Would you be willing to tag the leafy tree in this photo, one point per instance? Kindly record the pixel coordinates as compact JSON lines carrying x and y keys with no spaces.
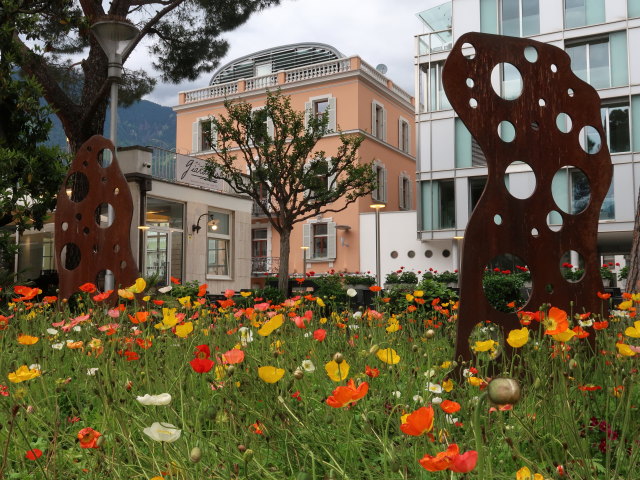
{"x":30,"y":173}
{"x":52,"y":34}
{"x":279,"y":169}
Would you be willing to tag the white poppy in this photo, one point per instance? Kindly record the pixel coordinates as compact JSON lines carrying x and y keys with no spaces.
{"x":166,"y":289}
{"x":163,"y":432}
{"x":92,"y":371}
{"x":396,"y":394}
{"x":357,"y":315}
{"x":418,"y":399}
{"x":308,"y":366}
{"x":351,"y":292}
{"x":52,"y":331}
{"x":162,"y":399}
{"x":57,"y":346}
{"x":434,"y":388}
{"x":436,"y":400}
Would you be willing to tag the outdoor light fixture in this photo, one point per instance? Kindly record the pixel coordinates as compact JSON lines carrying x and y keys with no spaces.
{"x":212,"y":222}
{"x":304,"y":261}
{"x":377,"y":207}
{"x":144,"y":227}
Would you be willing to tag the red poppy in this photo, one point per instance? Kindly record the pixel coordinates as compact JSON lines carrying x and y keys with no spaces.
{"x":418,"y":422}
{"x":201,"y":365}
{"x":604,"y":296}
{"x":320,"y":334}
{"x":202,"y":290}
{"x":375,"y":288}
{"x":580,"y":332}
{"x":33,"y":454}
{"x":202,"y":351}
{"x":600,"y":325}
{"x":296,"y":395}
{"x":589,"y":388}
{"x":88,"y":437}
{"x":157,"y":302}
{"x":343,"y":396}
{"x":27,"y":293}
{"x":449,"y":406}
{"x":465,"y":463}
{"x":50,"y":299}
{"x":102,"y":296}
{"x":88,"y":287}
{"x":131,"y":356}
{"x":144,"y":343}
{"x":371,"y":372}
{"x":450,"y":459}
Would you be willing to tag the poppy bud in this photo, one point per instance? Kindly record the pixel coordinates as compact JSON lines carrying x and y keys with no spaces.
{"x":504,"y":391}
{"x":248,"y":455}
{"x":231,"y":369}
{"x":430,"y":333}
{"x":374,"y":349}
{"x":100,"y":441}
{"x":195,"y":455}
{"x":338,"y":358}
{"x":415,"y":347}
{"x":298,"y":374}
{"x":242,"y":448}
{"x":572,"y":363}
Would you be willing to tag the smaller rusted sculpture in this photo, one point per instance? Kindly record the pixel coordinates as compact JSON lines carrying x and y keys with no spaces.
{"x":90,"y":241}
{"x":549,"y":122}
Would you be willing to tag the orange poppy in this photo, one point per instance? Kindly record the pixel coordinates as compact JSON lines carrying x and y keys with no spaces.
{"x":449,"y":406}
{"x":27,"y":293}
{"x":88,"y":437}
{"x":87,"y":287}
{"x":441,"y":461}
{"x":556,"y":321}
{"x":140,"y":317}
{"x":343,"y":396}
{"x":604,"y":296}
{"x":102,"y":296}
{"x":202,"y":290}
{"x":418,"y":422}
{"x":580,"y":332}
{"x":375,"y":288}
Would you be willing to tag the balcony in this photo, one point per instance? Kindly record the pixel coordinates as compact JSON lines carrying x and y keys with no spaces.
{"x":263,"y":265}
{"x":434,"y":42}
{"x":290,"y":77}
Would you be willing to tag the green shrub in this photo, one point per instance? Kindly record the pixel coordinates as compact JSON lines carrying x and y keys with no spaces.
{"x":435,"y":289}
{"x":501,"y":289}
{"x":364,"y":279}
{"x":269,"y":292}
{"x":330,"y":287}
{"x":402,"y":277}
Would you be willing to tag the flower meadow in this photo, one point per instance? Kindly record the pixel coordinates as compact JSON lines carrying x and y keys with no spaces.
{"x":156,"y":387}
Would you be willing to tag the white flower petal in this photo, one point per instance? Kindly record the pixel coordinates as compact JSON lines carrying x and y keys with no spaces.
{"x":163,"y":432}
{"x":161,"y":399}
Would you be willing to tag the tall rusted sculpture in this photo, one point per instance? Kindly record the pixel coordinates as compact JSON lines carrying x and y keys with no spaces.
{"x":550,"y":121}
{"x":89,"y":241}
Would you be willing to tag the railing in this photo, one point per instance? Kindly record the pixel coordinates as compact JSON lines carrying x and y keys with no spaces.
{"x":163,"y":163}
{"x":262,"y":265}
{"x":212,"y":91}
{"x":261,"y":82}
{"x":317,"y":70}
{"x":365,"y":67}
{"x":256,"y":211}
{"x":434,"y":42}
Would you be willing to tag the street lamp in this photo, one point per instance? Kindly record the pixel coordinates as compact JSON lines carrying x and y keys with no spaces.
{"x":377,"y":207}
{"x":114,"y":37}
{"x":304,"y":261}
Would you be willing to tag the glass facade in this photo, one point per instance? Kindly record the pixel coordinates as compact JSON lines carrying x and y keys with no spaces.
{"x":218,"y":244}
{"x":633,"y":7}
{"x":438,"y":200}
{"x":431,"y":90}
{"x":579,"y":13}
{"x":615,"y":120}
{"x":164,"y":239}
{"x":520,"y":18}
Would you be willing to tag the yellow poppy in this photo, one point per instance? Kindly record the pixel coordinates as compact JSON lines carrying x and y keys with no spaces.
{"x":626,"y":305}
{"x":409,"y":297}
{"x":634,"y":331}
{"x":221,"y":371}
{"x":475,"y":381}
{"x":337,"y":371}
{"x":446,"y":364}
{"x":169,"y":319}
{"x":564,"y":336}
{"x":245,"y":294}
{"x":23,"y":374}
{"x":418,"y":293}
{"x":484,"y":346}
{"x":320,"y":302}
{"x":185,"y":301}
{"x":274,"y":323}
{"x":125,"y":294}
{"x":625,"y":350}
{"x":447,"y":385}
{"x":518,"y":337}
{"x":184,"y":329}
{"x":388,"y":355}
{"x":525,"y":474}
{"x":270,"y":374}
{"x":27,"y":339}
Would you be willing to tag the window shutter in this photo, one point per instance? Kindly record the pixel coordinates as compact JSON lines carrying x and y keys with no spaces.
{"x":331,"y":240}
{"x":308,"y":111}
{"x":306,"y":190}
{"x":306,"y":237}
{"x":400,"y":145}
{"x":332,"y":178}
{"x":408,"y":140}
{"x":383,"y":191}
{"x":373,"y":119}
{"x":384,"y":125}
{"x":332,"y":114}
{"x":401,"y":192}
{"x":410,"y":195}
{"x":270,"y":127}
{"x":195,"y":137}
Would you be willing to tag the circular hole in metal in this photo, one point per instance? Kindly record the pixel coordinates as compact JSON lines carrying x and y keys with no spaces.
{"x":116,"y":248}
{"x":116,"y":191}
{"x":123,"y":264}
{"x":473,"y":103}
{"x":570,"y":92}
{"x":520,"y":186}
{"x":105,"y":157}
{"x":85,"y":164}
{"x":468,"y":50}
{"x":542,"y":102}
{"x":554,"y":68}
{"x":446,"y":253}
{"x":70,"y":256}
{"x":103,"y":179}
{"x":548,"y":288}
{"x":501,"y":287}
{"x":554,"y":221}
{"x":78,"y":216}
{"x":506,"y":131}
{"x":394,"y":254}
{"x":572,"y":266}
{"x":77,"y":187}
{"x":535,"y":126}
{"x":531,"y":54}
{"x":470,"y":83}
{"x":104,"y":215}
{"x":590,"y":140}
{"x":497,"y":219}
{"x":86,"y":230}
{"x":100,"y":278}
{"x":411,"y":254}
{"x":563,"y":122}
{"x":510,"y":81}
{"x":64,"y":226}
{"x":573,"y":180}
{"x":428,"y":253}
{"x":535,"y":233}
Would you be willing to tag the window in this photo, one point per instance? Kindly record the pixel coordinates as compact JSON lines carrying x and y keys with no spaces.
{"x":581,"y":195}
{"x":317,"y":106}
{"x":164,"y":239}
{"x":438,"y":202}
{"x":379,"y":194}
{"x":601,"y":62}
{"x":378,"y":121}
{"x":476,"y":187}
{"x":615,"y":120}
{"x":262,"y":69}
{"x":259,"y":243}
{"x":218,"y":244}
{"x":520,"y":18}
{"x":204,"y":135}
{"x":320,"y":106}
{"x":432,"y":96}
{"x":320,"y":237}
{"x":633,"y":8}
{"x":579,"y":13}
{"x":404,"y":191}
{"x":48,"y":263}
{"x":467,"y":151}
{"x":321,"y":178}
{"x":635,"y":121}
{"x":403,"y":135}
{"x":263,"y":199}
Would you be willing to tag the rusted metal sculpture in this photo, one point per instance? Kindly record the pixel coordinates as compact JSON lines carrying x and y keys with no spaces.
{"x":555,"y":117}
{"x":90,"y":241}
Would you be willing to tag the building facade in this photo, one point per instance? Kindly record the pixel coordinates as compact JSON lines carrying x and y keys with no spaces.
{"x":359,"y":99}
{"x":600,"y":38}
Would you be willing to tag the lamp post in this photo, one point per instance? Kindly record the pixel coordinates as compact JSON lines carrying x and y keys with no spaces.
{"x":114,"y":37}
{"x":304,"y":261}
{"x":377,"y":207}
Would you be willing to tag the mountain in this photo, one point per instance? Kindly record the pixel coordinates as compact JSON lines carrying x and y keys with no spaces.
{"x":144,"y":123}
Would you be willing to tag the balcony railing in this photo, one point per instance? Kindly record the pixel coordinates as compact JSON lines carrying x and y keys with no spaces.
{"x":263,"y":265}
{"x":291,"y":76}
{"x":256,"y":211}
{"x":434,"y":42}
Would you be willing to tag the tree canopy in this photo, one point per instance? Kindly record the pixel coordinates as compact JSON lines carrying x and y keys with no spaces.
{"x":55,"y":45}
{"x":268,"y":154}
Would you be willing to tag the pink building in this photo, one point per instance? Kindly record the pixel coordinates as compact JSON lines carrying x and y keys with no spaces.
{"x":359,"y":98}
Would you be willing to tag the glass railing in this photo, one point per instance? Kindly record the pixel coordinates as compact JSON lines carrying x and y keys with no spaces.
{"x":433,"y":42}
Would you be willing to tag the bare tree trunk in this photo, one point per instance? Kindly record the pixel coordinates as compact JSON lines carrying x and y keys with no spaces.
{"x":633,"y":280}
{"x":283,"y":271}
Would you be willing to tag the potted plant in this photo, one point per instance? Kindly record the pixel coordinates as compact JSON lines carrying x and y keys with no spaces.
{"x":450,"y":279}
{"x":571,"y":273}
{"x":607,"y":275}
{"x":358,"y":280}
{"x":623,"y":274}
{"x":400,"y":279}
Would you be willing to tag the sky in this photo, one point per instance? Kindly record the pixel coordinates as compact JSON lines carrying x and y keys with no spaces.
{"x":379,"y":31}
